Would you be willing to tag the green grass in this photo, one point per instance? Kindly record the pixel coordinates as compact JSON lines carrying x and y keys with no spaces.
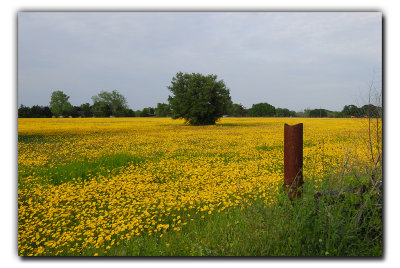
{"x":346,"y":226}
{"x":38,"y":139}
{"x":280,"y":147}
{"x":84,"y":169}
{"x":269,"y":148}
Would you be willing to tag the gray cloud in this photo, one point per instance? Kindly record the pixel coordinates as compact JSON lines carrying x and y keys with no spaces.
{"x":289,"y":59}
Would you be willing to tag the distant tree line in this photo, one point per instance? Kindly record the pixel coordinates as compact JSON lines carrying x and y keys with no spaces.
{"x":103,"y":108}
{"x":197,"y":98}
{"x":262,"y":109}
{"x":368,"y":110}
{"x":348,"y":111}
{"x":35,"y":111}
{"x":267,"y":110}
{"x":105,"y":104}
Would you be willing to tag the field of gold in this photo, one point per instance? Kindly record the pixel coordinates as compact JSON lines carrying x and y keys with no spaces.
{"x":90,"y":183}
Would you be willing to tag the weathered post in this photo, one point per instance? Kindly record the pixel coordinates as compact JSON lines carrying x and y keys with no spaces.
{"x":293,"y":160}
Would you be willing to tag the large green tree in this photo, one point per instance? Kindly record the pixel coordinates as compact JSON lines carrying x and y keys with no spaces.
{"x":109,"y":103}
{"x":59,"y":104}
{"x":199,"y":99}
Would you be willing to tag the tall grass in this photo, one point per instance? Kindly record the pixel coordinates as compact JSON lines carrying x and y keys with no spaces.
{"x":339,"y":221}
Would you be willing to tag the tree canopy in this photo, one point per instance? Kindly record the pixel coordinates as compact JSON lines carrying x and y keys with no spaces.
{"x":351,"y":110}
{"x":59,"y":104}
{"x":86,"y":110}
{"x":237,"y":110}
{"x":199,"y":99}
{"x":109,"y":103}
{"x":163,"y":110}
{"x":284,"y":112}
{"x":368,"y":110}
{"x":35,"y":111}
{"x":262,"y":109}
{"x":318,"y":113}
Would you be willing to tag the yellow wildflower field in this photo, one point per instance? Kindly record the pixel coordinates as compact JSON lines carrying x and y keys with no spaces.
{"x":93,"y":182}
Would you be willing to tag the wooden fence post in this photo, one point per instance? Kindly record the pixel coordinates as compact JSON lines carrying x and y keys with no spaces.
{"x":293,"y":160}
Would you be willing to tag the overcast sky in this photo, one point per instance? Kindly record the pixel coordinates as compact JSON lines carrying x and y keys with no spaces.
{"x":289,"y":59}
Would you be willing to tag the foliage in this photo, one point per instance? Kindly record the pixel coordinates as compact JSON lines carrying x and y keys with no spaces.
{"x":334,"y":114}
{"x":283,"y":112}
{"x":146,"y":112}
{"x":35,"y":111}
{"x":237,"y":110}
{"x":163,"y":110}
{"x":109,"y":103}
{"x":199,"y":99}
{"x":86,"y":109}
{"x":351,"y":110}
{"x":371,"y":110}
{"x":368,"y":110}
{"x":262,"y":109}
{"x":59,"y":104}
{"x":76,"y":111}
{"x":129,"y":113}
{"x":114,"y":104}
{"x":101,"y":109}
{"x":24,"y":111}
{"x":318,"y":113}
